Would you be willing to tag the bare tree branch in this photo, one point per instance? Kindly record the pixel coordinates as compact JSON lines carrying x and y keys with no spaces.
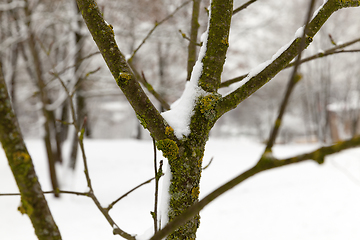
{"x":111,"y":205}
{"x":330,"y":51}
{"x":150,"y":88}
{"x":325,"y":53}
{"x":50,"y":192}
{"x":295,"y":77}
{"x":187,"y":38}
{"x":242,"y":7}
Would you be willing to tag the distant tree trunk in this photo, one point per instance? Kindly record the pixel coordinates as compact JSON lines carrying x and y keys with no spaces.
{"x":32,"y":198}
{"x":48,"y":117}
{"x":79,"y":98}
{"x":193,"y":37}
{"x":13,"y":75}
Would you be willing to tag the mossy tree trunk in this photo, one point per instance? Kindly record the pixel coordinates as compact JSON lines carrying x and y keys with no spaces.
{"x":185,"y":154}
{"x":33,"y":202}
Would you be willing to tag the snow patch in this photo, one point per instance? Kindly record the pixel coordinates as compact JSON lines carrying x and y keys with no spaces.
{"x":163,"y":207}
{"x":300,"y":32}
{"x":181,"y":111}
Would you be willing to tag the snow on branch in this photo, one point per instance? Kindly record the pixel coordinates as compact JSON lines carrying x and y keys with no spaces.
{"x":205,"y":77}
{"x":182,"y":110}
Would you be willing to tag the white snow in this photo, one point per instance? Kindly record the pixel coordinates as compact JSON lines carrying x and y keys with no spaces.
{"x":299,"y":33}
{"x":179,"y":116}
{"x":164,"y":197}
{"x":302,"y":201}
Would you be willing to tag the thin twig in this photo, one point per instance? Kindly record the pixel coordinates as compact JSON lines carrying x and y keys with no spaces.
{"x":149,"y":87}
{"x":81,"y":79}
{"x":111,"y":205}
{"x":155,"y":26}
{"x":324,"y":54}
{"x":328,"y":52}
{"x":10,"y":194}
{"x":154,"y":214}
{"x":187,"y":38}
{"x":50,"y":192}
{"x":242,"y":7}
{"x":81,"y":131}
{"x":78,"y":62}
{"x":207,"y":165}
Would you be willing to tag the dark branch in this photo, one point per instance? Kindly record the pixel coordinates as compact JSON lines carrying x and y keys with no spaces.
{"x":111,"y":205}
{"x":328,"y":52}
{"x":295,"y":77}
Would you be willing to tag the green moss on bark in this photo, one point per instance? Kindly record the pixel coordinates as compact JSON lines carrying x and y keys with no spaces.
{"x":217,"y":44}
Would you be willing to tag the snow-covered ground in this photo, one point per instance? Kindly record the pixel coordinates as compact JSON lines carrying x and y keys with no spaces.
{"x":302,"y":201}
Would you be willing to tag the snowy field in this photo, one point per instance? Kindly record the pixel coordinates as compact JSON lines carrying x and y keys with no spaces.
{"x":302,"y":201}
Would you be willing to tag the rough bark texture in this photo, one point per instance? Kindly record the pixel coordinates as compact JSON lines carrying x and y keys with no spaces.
{"x":33,"y":202}
{"x":217,"y":44}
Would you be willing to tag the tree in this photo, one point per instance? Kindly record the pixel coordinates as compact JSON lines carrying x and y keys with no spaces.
{"x":182,"y":132}
{"x":33,"y":202}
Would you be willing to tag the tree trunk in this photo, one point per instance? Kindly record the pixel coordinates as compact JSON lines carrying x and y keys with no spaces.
{"x":33,"y":202}
{"x":80,"y":100}
{"x":44,"y":100}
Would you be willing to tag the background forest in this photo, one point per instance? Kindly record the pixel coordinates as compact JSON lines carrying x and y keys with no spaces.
{"x":54,"y":71}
